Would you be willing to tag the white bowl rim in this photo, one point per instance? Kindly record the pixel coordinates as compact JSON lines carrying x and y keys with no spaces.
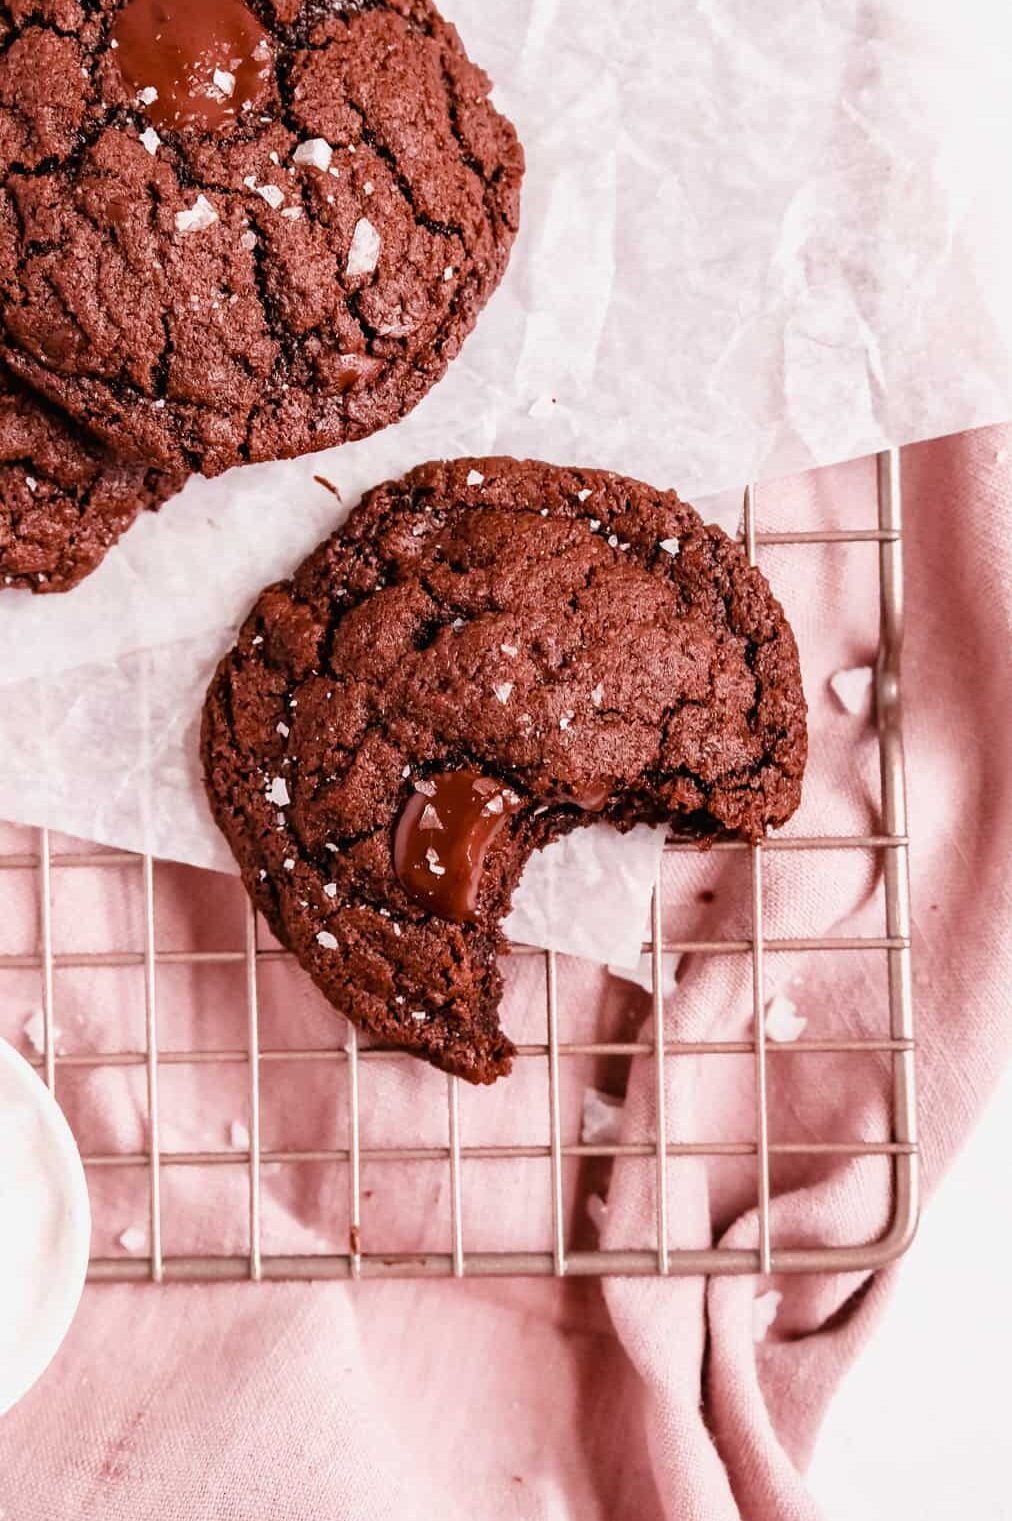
{"x":68,"y":1176}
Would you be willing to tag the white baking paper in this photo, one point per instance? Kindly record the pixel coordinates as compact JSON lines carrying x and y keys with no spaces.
{"x":756,"y":238}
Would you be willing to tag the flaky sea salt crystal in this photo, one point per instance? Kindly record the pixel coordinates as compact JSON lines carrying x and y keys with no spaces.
{"x":613,"y":541}
{"x":457,"y":625}
{"x":584,"y":495}
{"x":134,"y":1239}
{"x":853,"y":688}
{"x":432,"y":861}
{"x":248,"y":240}
{"x":292,"y":213}
{"x":670,"y":546}
{"x":330,"y":888}
{"x":198,"y":218}
{"x":764,"y":1312}
{"x":448,"y":273}
{"x":363,"y":255}
{"x":503,"y":691}
{"x":430,"y":818}
{"x":148,"y":95}
{"x":566,"y":720}
{"x":327,"y":940}
{"x":594,"y":524}
{"x":289,"y":863}
{"x":475,"y":478}
{"x":314,"y":153}
{"x":284,"y":730}
{"x":602,"y":1119}
{"x":272,"y":194}
{"x":427,"y":789}
{"x":277,"y":792}
{"x":597,"y":695}
{"x":224,"y":81}
{"x":494,"y":805}
{"x":783,"y":1023}
{"x":150,"y":140}
{"x":31,"y":483}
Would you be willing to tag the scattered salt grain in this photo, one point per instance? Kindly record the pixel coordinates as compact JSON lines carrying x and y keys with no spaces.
{"x":613,"y":541}
{"x":224,"y":81}
{"x":503,"y":691}
{"x":597,"y":695}
{"x":457,"y":625}
{"x":602,"y":1119}
{"x":330,"y":847}
{"x":150,"y":140}
{"x":292,"y":213}
{"x":198,"y":218}
{"x":289,"y":863}
{"x":327,"y":940}
{"x":670,"y":546}
{"x":363,"y":256}
{"x":595,"y":524}
{"x":642,"y":974}
{"x":597,"y":1213}
{"x":448,"y":273}
{"x":272,"y":194}
{"x":148,"y":95}
{"x":284,"y":730}
{"x":258,"y":639}
{"x":764,"y":1313}
{"x":494,"y":805}
{"x":314,"y":153}
{"x":330,"y":888}
{"x":277,"y":792}
{"x":475,"y":478}
{"x":510,"y":650}
{"x":853,"y":688}
{"x":566,"y":720}
{"x":134,"y":1239}
{"x":238,"y":1136}
{"x":419,"y":1016}
{"x":584,"y":495}
{"x":430,"y":819}
{"x":406,"y":772}
{"x":368,"y":188}
{"x":31,"y":483}
{"x":783,"y":1023}
{"x":34,"y":1031}
{"x":427,"y":789}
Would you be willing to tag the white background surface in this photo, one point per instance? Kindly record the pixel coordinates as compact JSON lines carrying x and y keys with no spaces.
{"x":922,"y":1429}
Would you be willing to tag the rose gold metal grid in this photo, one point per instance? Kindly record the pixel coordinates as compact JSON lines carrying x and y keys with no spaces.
{"x":557,"y":1258}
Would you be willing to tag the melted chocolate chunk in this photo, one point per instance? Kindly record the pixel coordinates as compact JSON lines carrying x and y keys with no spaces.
{"x":193,"y":63}
{"x":443,"y":836}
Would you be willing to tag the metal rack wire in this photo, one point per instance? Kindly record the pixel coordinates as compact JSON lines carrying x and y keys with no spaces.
{"x":559,"y":1257}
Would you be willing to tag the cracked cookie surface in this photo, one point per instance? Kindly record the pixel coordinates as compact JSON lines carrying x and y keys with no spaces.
{"x":63,"y":500}
{"x":489,"y":654}
{"x":253,"y":260}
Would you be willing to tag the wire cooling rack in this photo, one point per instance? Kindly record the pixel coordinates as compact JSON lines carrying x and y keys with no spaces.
{"x":562,"y":1253}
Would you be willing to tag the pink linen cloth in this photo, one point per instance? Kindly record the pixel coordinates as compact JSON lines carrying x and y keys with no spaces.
{"x":637,"y":1400}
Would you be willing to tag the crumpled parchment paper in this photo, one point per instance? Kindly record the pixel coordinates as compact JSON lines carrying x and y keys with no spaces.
{"x":756,"y":238}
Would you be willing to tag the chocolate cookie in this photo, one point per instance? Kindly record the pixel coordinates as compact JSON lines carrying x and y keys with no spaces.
{"x":490,"y":654}
{"x":63,"y":501}
{"x":243,"y":231}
